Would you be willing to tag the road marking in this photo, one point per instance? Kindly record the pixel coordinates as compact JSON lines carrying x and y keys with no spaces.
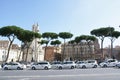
{"x":25,"y":79}
{"x":74,"y":75}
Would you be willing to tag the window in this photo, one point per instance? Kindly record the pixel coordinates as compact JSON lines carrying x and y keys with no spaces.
{"x":43,"y":63}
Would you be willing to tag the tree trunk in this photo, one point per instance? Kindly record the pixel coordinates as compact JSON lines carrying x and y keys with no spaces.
{"x":27,"y":54}
{"x":8,"y":50}
{"x":63,"y":55}
{"x":64,"y":50}
{"x":19,"y":56}
{"x":102,"y":49}
{"x":111,"y":51}
{"x":45,"y":52}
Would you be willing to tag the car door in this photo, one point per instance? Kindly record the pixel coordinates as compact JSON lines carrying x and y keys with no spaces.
{"x":9,"y":66}
{"x":90,"y":64}
{"x":65,"y":65}
{"x":36,"y":65}
{"x":112,"y":63}
{"x":39,"y":65}
{"x":13,"y":66}
{"x":42,"y":65}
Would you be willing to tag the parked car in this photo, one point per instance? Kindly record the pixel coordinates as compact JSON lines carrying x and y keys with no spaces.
{"x":13,"y":66}
{"x":56,"y":65}
{"x":87,"y":64}
{"x":41,"y":65}
{"x":109,"y":63}
{"x":4,"y":63}
{"x":79,"y":64}
{"x":68,"y":65}
{"x":118,"y":64}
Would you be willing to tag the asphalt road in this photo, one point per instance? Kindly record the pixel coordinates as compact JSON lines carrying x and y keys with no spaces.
{"x":66,"y":74}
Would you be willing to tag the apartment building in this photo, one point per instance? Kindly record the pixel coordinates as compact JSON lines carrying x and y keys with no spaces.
{"x":115,"y":52}
{"x":81,"y":51}
{"x":15,"y":53}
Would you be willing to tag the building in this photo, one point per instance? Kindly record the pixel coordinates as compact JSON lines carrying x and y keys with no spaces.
{"x":35,"y":52}
{"x":49,"y":53}
{"x":81,"y":51}
{"x":115,"y":52}
{"x":15,"y":53}
{"x":52,"y":53}
{"x":38,"y":52}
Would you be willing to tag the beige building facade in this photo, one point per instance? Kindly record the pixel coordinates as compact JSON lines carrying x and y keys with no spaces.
{"x":81,"y":51}
{"x":15,"y":53}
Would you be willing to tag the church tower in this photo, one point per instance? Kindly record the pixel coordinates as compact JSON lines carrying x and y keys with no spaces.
{"x":37,"y":51}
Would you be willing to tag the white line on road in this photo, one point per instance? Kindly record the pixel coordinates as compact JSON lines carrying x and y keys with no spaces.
{"x":74,"y":75}
{"x":25,"y":79}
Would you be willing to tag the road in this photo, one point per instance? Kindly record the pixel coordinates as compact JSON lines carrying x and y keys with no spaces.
{"x":66,"y":74}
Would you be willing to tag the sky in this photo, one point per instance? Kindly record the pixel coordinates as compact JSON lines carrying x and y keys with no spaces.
{"x":76,"y":16}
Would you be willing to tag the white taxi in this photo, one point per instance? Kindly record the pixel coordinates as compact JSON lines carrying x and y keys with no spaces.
{"x":41,"y":65}
{"x":13,"y":66}
{"x":87,"y":64}
{"x":109,"y":63}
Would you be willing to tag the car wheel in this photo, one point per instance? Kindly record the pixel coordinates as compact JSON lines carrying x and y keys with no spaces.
{"x":95,"y":66}
{"x":18,"y":68}
{"x":60,"y":67}
{"x":104,"y":65}
{"x":33,"y":68}
{"x":83,"y":66}
{"x":72,"y":67}
{"x":5,"y":68}
{"x":46,"y":68}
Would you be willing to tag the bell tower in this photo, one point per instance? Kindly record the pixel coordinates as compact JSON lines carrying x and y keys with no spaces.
{"x":37,"y":51}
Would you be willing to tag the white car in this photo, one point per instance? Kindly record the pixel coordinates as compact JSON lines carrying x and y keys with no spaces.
{"x":56,"y":65}
{"x":13,"y":66}
{"x":68,"y":65}
{"x":109,"y":63}
{"x":118,"y":64}
{"x":41,"y":65}
{"x":87,"y":64}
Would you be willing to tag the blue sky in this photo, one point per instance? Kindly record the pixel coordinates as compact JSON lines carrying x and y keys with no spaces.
{"x":75,"y":16}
